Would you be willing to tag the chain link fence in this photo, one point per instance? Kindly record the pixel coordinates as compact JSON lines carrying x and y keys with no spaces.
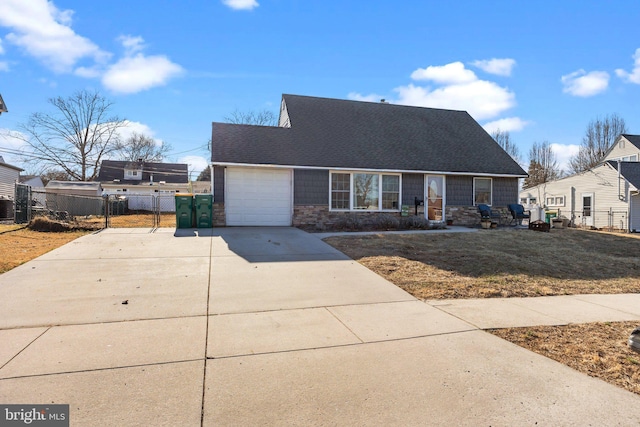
{"x":117,"y":211}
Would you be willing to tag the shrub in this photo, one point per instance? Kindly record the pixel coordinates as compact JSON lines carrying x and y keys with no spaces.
{"x":386,"y":222}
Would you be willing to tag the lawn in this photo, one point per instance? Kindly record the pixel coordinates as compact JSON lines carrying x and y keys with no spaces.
{"x":521,"y":263}
{"x":500,"y":263}
{"x":19,"y":245}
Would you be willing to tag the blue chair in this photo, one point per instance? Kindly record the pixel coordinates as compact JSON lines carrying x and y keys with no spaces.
{"x":487,"y":213}
{"x":518,"y":213}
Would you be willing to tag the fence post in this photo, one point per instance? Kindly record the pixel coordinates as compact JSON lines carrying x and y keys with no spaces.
{"x":105,"y":201}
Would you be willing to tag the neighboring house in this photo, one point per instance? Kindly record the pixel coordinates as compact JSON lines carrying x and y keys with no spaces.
{"x":329,"y":158}
{"x":605,"y":196}
{"x":139,"y":180}
{"x":33,"y":181}
{"x":75,"y":198}
{"x":9,"y":175}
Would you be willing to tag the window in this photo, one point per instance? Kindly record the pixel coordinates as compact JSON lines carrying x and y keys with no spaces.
{"x":482,"y":191}
{"x":555,"y":201}
{"x":340,"y":187}
{"x":633,"y":158}
{"x":365,"y":191}
{"x":134,"y":174}
{"x":390,"y":192}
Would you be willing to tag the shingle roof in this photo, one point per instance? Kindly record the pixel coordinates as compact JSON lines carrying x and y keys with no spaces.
{"x":175,"y":173}
{"x":634,"y":139}
{"x":332,"y":133}
{"x":629,"y":170}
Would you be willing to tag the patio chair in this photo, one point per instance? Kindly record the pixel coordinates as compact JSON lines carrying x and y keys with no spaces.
{"x":487,"y":213}
{"x":518,"y":213}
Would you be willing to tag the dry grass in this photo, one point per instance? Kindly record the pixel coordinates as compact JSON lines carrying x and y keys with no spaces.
{"x":19,"y":245}
{"x":517,"y":263}
{"x":596,"y":349}
{"x":500,"y":263}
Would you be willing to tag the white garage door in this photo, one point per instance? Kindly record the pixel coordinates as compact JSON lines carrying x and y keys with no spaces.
{"x":255,"y":196}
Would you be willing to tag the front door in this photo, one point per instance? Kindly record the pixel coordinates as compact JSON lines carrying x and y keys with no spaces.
{"x":587,"y":209}
{"x":435,"y":198}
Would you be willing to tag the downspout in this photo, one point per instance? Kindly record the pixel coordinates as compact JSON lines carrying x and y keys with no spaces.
{"x":620,"y":197}
{"x":211,"y":178}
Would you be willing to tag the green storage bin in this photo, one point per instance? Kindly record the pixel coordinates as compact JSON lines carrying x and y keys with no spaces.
{"x":204,"y":210}
{"x":184,"y":211}
{"x":550,"y":215}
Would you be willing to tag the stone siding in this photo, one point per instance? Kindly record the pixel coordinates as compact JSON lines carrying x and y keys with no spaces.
{"x":219,"y":217}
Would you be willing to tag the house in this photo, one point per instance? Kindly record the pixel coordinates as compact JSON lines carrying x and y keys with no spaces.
{"x":605,"y":196}
{"x":33,"y":181}
{"x":330,"y":158}
{"x":141,"y":181}
{"x":9,"y":175}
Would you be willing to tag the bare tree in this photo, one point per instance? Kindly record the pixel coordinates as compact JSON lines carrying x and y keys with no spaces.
{"x":205,"y":175}
{"x":260,"y":118}
{"x":503,"y":138}
{"x":139,"y":146}
{"x":543,"y":165}
{"x":54,"y":175}
{"x":599,"y":137}
{"x":75,"y":137}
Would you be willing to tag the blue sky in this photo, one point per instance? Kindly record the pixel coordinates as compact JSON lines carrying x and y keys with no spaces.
{"x":541,"y":70}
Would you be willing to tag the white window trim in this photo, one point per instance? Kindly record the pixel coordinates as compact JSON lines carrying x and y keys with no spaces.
{"x":351,"y":189}
{"x":474,"y":190}
{"x":554,"y":204}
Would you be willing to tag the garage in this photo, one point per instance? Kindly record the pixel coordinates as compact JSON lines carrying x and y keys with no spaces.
{"x":258,"y":196}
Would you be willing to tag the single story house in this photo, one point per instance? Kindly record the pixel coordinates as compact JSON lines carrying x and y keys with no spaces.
{"x":605,"y":196}
{"x":140,"y":181}
{"x":9,"y":175}
{"x":75,"y":198}
{"x":328,"y":158}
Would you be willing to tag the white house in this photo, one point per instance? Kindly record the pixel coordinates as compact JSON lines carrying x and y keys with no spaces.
{"x":605,"y":196}
{"x":9,"y":175}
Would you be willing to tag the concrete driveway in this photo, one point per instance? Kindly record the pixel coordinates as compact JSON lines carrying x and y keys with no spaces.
{"x":262,"y":326}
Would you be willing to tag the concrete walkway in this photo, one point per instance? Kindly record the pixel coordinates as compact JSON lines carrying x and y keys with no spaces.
{"x":271,"y":326}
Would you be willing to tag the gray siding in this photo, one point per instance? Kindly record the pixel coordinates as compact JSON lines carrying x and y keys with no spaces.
{"x":218,"y":184}
{"x":505,"y":191}
{"x":310,"y":187}
{"x":460,"y":190}
{"x":412,"y":187}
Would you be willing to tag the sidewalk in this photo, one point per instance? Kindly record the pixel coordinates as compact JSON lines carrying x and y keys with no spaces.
{"x":271,"y":326}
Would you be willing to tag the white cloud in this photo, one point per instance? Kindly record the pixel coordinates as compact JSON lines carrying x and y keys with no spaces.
{"x":453,"y":73}
{"x":634,"y":76}
{"x":563,"y":153}
{"x":136,"y":127}
{"x":355,"y":96}
{"x":456,"y":88}
{"x":583,"y":84}
{"x":508,"y":124}
{"x":44,"y":32}
{"x":137,"y":72}
{"x":12,"y":142}
{"x":241,"y":4}
{"x":500,"y":67}
{"x":482,"y":99}
{"x":131,"y":44}
{"x":4,"y":66}
{"x":196,"y":165}
{"x":1,"y":48}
